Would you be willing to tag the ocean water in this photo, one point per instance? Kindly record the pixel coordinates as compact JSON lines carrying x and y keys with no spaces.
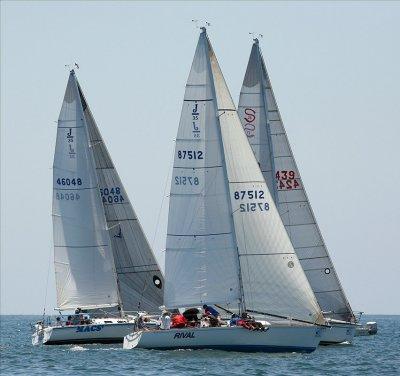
{"x":371,"y":355}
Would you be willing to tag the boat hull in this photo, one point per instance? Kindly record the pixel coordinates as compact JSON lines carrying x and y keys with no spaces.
{"x":370,"y":328}
{"x":81,"y":334}
{"x":337,"y":333}
{"x":275,"y":339}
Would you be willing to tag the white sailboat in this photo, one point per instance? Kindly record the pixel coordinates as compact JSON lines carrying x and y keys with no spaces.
{"x":226,"y":243}
{"x":103,"y":262}
{"x":262,"y":123}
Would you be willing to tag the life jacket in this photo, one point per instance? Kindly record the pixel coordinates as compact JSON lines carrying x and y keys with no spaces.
{"x":178,"y":321}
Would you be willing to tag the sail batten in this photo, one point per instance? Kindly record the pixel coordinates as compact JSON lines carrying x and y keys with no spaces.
{"x":260,"y":117}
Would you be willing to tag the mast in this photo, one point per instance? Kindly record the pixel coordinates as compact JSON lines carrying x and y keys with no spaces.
{"x":219,"y":112}
{"x":290,"y":195}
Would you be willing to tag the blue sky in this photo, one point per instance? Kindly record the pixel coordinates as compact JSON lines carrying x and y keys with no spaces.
{"x":334,"y":68}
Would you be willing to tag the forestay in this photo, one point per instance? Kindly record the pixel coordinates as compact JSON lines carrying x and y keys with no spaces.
{"x":263,"y":126}
{"x":140,"y":281}
{"x":83,"y":258}
{"x":201,"y":257}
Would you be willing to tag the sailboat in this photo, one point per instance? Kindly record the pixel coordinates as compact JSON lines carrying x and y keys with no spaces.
{"x":262,"y":123}
{"x":103,"y":263}
{"x":226,"y":243}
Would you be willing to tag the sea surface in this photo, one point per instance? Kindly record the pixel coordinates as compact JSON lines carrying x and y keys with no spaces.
{"x":371,"y":355}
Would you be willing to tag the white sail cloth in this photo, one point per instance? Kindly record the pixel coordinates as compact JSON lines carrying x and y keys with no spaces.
{"x":254,"y":254}
{"x":201,"y":257}
{"x":140,"y":281}
{"x":83,"y":258}
{"x":264,"y":128}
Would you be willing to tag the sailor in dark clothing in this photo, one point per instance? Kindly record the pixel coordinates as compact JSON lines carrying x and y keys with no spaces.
{"x":210,"y":311}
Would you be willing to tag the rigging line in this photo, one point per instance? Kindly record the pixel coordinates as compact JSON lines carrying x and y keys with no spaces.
{"x":287,"y":318}
{"x":163,"y":198}
{"x":47,"y":284}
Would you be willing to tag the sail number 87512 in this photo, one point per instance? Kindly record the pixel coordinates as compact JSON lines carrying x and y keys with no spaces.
{"x":251,"y":206}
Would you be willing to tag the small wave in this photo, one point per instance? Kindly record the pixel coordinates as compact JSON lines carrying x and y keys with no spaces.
{"x":77,"y":348}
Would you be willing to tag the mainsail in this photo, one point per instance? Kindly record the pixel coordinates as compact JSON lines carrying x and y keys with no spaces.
{"x":266,"y":134}
{"x":201,"y":257}
{"x":83,"y":258}
{"x":140,"y":281}
{"x":226,"y":241}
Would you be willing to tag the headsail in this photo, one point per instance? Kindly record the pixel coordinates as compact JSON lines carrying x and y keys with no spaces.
{"x":83,"y":258}
{"x":264,"y":128}
{"x":140,"y":281}
{"x":256,"y":257}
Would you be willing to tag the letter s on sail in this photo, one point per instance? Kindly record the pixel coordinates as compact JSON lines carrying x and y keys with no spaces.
{"x":251,"y":115}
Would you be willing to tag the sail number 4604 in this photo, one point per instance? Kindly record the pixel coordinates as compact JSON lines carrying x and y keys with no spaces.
{"x":111,"y":195}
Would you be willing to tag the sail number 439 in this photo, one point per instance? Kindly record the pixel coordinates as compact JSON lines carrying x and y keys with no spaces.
{"x":287,"y":180}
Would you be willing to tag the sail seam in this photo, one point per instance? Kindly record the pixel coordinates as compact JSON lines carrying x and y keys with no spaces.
{"x":299,"y":224}
{"x":135,"y":266}
{"x":81,"y":246}
{"x":266,"y":254}
{"x":323,"y":292}
{"x":311,"y":246}
{"x":198,"y":100}
{"x":313,"y":269}
{"x":246,"y":181}
{"x":73,"y":189}
{"x":219,"y":233}
{"x":197,"y":168}
{"x":140,"y":271}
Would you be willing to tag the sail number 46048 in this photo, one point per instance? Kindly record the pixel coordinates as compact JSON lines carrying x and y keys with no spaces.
{"x":69,"y":181}
{"x":67,"y":196}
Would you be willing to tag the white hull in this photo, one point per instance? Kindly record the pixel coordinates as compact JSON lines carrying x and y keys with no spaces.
{"x":275,"y":339}
{"x":77,"y":334}
{"x":338,"y":333}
